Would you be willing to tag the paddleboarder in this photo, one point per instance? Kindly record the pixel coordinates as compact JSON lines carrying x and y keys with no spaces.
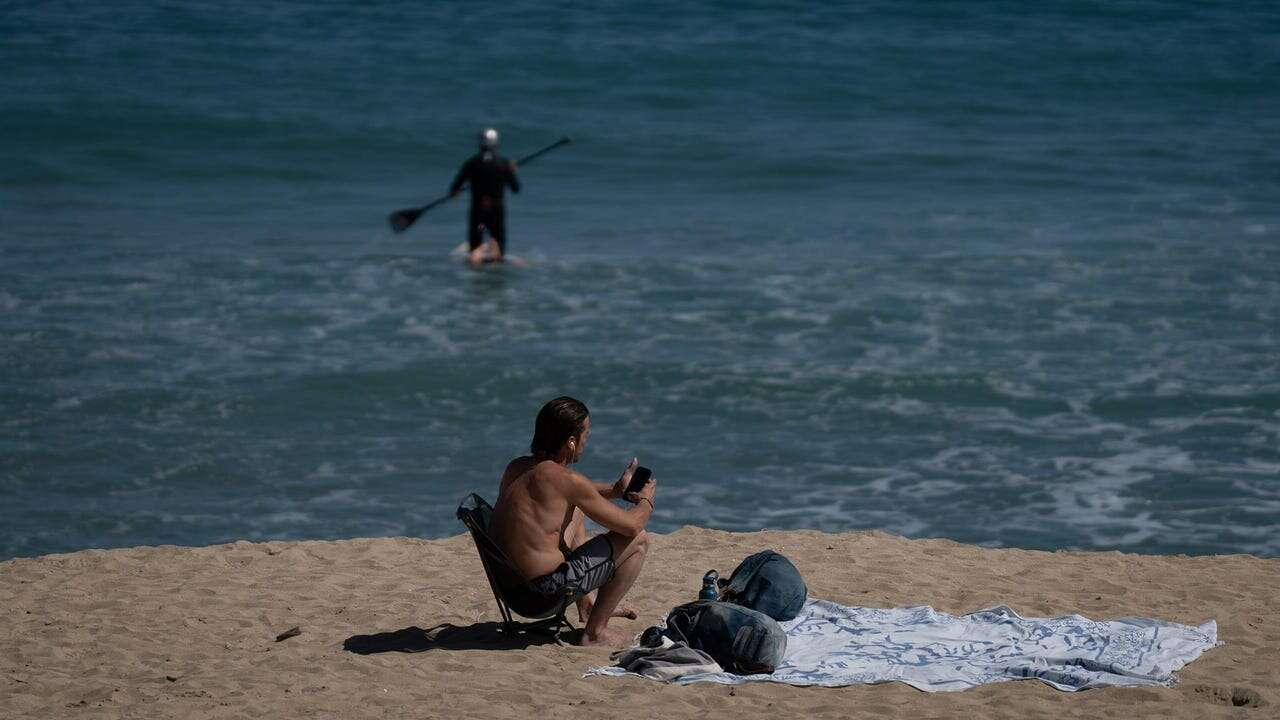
{"x":489,"y":175}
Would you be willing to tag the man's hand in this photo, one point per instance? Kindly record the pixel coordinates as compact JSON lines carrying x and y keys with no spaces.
{"x":620,"y":487}
{"x":647,"y":492}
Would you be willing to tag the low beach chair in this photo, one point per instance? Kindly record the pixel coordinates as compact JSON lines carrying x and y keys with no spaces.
{"x":511,"y":592}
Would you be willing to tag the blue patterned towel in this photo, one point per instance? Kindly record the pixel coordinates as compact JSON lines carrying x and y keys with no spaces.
{"x":833,"y":645}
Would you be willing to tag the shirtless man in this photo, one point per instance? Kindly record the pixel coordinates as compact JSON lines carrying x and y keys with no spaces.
{"x":539,"y":521}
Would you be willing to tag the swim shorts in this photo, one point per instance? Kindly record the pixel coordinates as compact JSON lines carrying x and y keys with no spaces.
{"x":583,"y":570}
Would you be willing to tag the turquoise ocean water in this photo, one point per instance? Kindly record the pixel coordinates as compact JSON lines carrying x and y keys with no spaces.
{"x":1001,"y":272}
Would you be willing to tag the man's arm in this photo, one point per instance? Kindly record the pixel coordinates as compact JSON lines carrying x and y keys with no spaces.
{"x":464,"y":172}
{"x":584,"y":494}
{"x":617,"y":490}
{"x":606,"y":490}
{"x":512,"y":180}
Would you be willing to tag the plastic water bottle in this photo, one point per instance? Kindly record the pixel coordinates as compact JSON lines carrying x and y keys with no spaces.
{"x":709,"y":589}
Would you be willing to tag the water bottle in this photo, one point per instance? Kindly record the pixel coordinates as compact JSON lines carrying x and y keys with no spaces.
{"x":709,"y":589}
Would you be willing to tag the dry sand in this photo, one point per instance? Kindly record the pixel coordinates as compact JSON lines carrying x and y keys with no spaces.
{"x":170,"y":632}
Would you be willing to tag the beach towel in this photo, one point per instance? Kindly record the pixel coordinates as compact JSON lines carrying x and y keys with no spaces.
{"x":833,"y":645}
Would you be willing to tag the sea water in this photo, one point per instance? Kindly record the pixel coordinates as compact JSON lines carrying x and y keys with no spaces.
{"x":1001,"y":272}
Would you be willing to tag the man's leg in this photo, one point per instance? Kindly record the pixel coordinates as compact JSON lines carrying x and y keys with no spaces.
{"x":574,"y":536}
{"x":475,"y":240}
{"x":498,"y":233}
{"x":628,"y":558}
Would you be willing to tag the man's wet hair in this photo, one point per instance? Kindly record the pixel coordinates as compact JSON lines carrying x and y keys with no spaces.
{"x":557,"y":421}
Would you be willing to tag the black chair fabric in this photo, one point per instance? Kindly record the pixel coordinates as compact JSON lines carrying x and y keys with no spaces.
{"x":511,"y":592}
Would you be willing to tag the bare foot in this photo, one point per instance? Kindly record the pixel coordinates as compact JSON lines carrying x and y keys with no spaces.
{"x":607,"y":637}
{"x":584,"y":612}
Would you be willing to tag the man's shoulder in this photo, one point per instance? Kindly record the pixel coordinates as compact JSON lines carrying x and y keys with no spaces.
{"x":528,"y":464}
{"x":517,"y":467}
{"x":550,"y":470}
{"x":547,"y":473}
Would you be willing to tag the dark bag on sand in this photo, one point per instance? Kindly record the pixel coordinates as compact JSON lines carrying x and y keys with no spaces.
{"x":769,"y":583}
{"x":741,"y":640}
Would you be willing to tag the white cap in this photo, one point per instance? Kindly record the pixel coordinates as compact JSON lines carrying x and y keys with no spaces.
{"x":488,"y":138}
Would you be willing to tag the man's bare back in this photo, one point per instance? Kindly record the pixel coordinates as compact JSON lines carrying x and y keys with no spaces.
{"x":532,"y":515}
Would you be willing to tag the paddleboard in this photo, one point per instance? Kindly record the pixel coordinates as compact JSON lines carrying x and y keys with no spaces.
{"x":487,"y":258}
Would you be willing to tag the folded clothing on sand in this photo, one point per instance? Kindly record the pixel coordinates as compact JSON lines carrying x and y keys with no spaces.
{"x":834,"y":645}
{"x":665,"y":660}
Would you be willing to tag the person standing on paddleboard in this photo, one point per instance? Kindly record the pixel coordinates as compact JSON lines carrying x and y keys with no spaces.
{"x":489,"y":175}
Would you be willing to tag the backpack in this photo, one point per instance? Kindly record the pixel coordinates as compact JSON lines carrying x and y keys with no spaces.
{"x":741,"y":640}
{"x":769,"y":583}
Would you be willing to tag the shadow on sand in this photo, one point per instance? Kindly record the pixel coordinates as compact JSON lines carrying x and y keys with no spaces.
{"x":446,"y":636}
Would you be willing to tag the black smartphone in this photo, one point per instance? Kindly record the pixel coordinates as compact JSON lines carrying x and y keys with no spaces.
{"x":638,"y":479}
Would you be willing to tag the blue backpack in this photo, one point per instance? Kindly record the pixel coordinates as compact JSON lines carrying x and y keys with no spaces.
{"x":769,"y":583}
{"x":741,"y":640}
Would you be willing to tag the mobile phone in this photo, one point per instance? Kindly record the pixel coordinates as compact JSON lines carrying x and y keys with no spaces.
{"x":638,"y":479}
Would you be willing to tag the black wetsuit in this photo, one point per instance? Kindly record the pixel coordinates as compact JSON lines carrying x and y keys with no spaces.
{"x":489,"y":174}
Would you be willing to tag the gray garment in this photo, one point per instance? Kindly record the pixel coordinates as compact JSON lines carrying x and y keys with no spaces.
{"x":583,"y":570}
{"x":667,"y":661}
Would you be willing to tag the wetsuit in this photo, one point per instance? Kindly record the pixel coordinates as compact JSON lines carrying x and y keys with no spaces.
{"x":488,"y":174}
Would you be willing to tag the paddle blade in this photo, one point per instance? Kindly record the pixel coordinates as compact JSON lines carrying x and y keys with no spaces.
{"x":401,"y":219}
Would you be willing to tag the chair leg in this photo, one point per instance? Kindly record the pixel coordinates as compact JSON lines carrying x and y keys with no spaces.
{"x":507,"y":622}
{"x":551,"y":627}
{"x":561,"y":620}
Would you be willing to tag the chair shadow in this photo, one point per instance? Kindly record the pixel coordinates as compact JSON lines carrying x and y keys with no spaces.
{"x":447,"y":636}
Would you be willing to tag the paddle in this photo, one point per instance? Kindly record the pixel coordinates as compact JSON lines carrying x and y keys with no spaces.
{"x":401,"y":219}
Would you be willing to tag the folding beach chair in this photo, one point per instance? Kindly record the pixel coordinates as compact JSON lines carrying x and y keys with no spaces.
{"x":511,"y":592}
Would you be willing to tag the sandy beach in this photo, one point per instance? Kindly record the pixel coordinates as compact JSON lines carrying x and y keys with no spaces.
{"x":174,"y":632}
